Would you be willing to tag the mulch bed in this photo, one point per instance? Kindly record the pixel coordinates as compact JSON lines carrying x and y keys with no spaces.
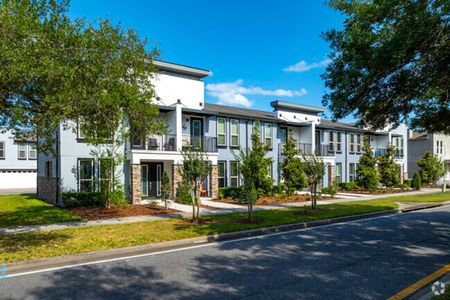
{"x":268,"y":200}
{"x":98,"y":213}
{"x":378,"y":192}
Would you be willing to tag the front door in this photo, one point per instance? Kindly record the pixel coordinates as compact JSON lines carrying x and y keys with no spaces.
{"x":151,"y":179}
{"x":196,"y":132}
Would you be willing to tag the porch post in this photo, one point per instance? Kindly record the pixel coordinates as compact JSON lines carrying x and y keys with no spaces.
{"x":331,"y":175}
{"x":136,"y":193}
{"x":176,"y":180}
{"x":214,"y":181}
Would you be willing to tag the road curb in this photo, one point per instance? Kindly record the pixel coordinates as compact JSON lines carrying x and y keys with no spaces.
{"x":84,"y":258}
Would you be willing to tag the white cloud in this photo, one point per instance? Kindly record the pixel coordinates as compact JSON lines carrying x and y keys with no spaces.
{"x":233,"y":93}
{"x":303,"y":66}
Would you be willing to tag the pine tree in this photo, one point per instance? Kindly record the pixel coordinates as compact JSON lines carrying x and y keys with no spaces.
{"x":388,"y":169}
{"x":431,"y":168}
{"x":416,"y":182}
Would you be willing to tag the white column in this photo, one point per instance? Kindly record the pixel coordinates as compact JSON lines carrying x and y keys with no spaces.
{"x":313,"y":137}
{"x":179,"y":125}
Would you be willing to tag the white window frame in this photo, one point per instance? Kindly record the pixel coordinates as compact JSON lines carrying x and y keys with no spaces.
{"x":358,"y":143}
{"x":32,"y":152}
{"x":92,"y":173}
{"x":338,"y":142}
{"x":352,"y":173}
{"x":2,"y":150}
{"x":22,"y":147}
{"x":224,"y":134}
{"x":268,"y":134}
{"x":331,"y":141}
{"x":338,"y":176}
{"x":80,"y":134}
{"x":352,"y":143}
{"x":234,"y":177}
{"x":224,"y":176}
{"x":236,"y":122}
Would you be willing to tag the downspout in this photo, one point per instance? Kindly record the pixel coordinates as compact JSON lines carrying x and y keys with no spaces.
{"x":58,"y":171}
{"x":346,"y":154}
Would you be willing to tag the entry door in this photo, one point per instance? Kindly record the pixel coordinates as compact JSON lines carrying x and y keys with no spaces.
{"x":144,"y":180}
{"x":154,"y":176}
{"x":196,"y":132}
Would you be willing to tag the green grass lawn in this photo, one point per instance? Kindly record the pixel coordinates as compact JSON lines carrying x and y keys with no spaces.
{"x":35,"y":245}
{"x":17,"y":210}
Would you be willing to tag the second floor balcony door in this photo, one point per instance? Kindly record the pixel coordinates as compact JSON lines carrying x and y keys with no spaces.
{"x":196,"y":132}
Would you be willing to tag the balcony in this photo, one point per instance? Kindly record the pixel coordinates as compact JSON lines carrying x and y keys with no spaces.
{"x":306,"y":149}
{"x":199,"y":143}
{"x":324,"y":150}
{"x":166,"y":142}
{"x":378,"y":152}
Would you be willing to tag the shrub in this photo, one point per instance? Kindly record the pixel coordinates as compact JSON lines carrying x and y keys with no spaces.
{"x":349,"y":186}
{"x":407,"y":182}
{"x":231,"y":192}
{"x":81,"y":199}
{"x":416,"y":182}
{"x":431,"y":168}
{"x":331,"y":190}
{"x":402,"y":186}
{"x":184,"y":194}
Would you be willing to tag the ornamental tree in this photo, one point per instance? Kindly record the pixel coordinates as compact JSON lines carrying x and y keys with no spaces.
{"x":388,"y":169}
{"x":366,"y":174}
{"x":431,"y":168}
{"x":315,"y":170}
{"x":294,"y":177}
{"x":390,"y":63}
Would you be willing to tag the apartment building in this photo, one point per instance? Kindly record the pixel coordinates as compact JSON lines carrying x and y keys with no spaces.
{"x":17,"y":162}
{"x":421,"y":142}
{"x":218,"y":130}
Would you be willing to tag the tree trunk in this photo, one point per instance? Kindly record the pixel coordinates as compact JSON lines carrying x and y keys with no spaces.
{"x":198,"y":202}
{"x":193,"y":204}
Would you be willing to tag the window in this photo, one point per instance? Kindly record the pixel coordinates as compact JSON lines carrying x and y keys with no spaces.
{"x":221,"y":132}
{"x":80,"y":132}
{"x":234,"y":133}
{"x":439,"y":147}
{"x":338,"y":173}
{"x":352,"y":172}
{"x":22,"y":151}
{"x":338,"y":142}
{"x":104,"y":169}
{"x":331,"y":141}
{"x":397,"y":142}
{"x":234,"y":173}
{"x":283,"y":135}
{"x":85,"y":175}
{"x":2,"y":150}
{"x":268,"y":132}
{"x":48,"y":169}
{"x":32,"y":151}
{"x":270,"y":171}
{"x":358,"y":143}
{"x":352,"y":143}
{"x":222,"y":166}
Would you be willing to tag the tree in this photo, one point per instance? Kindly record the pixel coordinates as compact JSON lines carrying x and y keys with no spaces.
{"x":165,"y":188}
{"x":294,"y":177}
{"x":254,"y":168}
{"x":431,"y":168}
{"x":389,"y":63}
{"x":388,"y":169}
{"x":366,"y":174}
{"x":416,"y":182}
{"x":194,"y":169}
{"x":56,"y":70}
{"x":315,"y":170}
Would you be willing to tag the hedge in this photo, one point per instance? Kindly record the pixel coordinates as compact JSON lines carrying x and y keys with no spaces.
{"x":77,"y":199}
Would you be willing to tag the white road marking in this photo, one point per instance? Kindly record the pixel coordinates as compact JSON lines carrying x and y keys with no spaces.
{"x":206,"y":244}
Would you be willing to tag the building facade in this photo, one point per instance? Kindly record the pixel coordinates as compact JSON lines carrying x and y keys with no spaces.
{"x":218,"y":130}
{"x":421,"y":142}
{"x":17,"y":162}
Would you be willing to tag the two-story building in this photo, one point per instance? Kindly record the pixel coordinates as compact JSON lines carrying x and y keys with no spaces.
{"x":218,"y":130}
{"x":17,"y":162}
{"x":421,"y":142}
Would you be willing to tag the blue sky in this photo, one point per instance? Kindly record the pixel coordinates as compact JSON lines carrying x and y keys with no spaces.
{"x":258,"y":51}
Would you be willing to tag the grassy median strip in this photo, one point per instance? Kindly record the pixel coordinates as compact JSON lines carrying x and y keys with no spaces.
{"x":26,"y":246}
{"x":19,"y":210}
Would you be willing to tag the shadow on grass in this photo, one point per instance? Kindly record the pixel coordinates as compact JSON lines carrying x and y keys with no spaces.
{"x":10,"y":243}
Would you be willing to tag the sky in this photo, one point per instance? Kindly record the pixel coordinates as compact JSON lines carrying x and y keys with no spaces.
{"x":258,"y":51}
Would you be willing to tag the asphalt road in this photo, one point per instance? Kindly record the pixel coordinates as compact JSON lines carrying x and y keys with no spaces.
{"x":369,"y":259}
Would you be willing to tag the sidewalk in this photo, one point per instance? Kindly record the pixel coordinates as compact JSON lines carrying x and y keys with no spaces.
{"x":215,"y":207}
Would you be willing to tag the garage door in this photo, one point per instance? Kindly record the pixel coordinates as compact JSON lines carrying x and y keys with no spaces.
{"x":17,"y":179}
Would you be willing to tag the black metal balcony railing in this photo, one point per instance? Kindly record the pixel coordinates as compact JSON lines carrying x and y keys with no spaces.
{"x":201,"y":143}
{"x":306,"y":149}
{"x":166,"y":142}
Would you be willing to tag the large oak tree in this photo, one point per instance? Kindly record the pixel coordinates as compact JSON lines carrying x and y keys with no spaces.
{"x":391,"y":63}
{"x":54,"y":69}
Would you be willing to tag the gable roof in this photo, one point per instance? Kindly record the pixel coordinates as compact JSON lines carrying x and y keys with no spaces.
{"x":241,"y":112}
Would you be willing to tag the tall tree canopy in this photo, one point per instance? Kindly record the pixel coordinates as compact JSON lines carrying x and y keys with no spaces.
{"x":55,"y":69}
{"x":391,"y":63}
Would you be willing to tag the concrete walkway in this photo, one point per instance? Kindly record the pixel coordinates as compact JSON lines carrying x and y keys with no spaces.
{"x":215,"y":207}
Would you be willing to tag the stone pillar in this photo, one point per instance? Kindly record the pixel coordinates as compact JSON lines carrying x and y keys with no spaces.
{"x":214,"y":181}
{"x":136,"y":193}
{"x":176,"y":180}
{"x":331,"y":175}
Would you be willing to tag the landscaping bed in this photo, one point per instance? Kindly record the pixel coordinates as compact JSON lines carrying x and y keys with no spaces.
{"x":274,"y":200}
{"x":98,"y":213}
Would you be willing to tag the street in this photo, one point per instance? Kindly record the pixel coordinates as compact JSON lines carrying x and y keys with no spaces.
{"x":368,"y":259}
